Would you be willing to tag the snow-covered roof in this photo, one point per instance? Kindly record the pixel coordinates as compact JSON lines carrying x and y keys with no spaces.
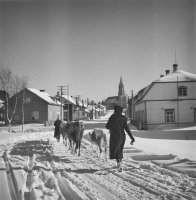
{"x":85,"y":104}
{"x":102,"y":106}
{"x":87,"y":110}
{"x":80,"y":103}
{"x":70,"y":99}
{"x":90,"y":107}
{"x":43,"y":95}
{"x":178,"y":74}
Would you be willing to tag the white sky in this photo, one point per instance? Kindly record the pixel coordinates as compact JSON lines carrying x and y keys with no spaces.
{"x":90,"y":44}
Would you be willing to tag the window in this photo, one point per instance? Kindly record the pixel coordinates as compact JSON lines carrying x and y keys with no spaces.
{"x":35,"y":115}
{"x":65,"y":114}
{"x":182,"y":91}
{"x":27,"y":100}
{"x":169,"y":115}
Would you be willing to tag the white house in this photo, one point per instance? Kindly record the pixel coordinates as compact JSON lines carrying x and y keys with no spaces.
{"x":167,"y":101}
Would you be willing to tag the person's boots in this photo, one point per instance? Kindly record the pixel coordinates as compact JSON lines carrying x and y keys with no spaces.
{"x":119,"y":166}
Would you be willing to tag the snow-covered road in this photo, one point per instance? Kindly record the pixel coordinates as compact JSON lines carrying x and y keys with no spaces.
{"x":181,"y":148}
{"x":61,"y":175}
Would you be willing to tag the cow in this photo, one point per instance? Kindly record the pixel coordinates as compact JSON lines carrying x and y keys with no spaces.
{"x":98,"y":138}
{"x":64,"y":127}
{"x":75,"y":135}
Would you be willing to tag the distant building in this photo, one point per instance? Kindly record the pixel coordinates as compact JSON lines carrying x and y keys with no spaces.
{"x":169,"y":101}
{"x":73,"y":108}
{"x":121,"y":99}
{"x":39,"y":107}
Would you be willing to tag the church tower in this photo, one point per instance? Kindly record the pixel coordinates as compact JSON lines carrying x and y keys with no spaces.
{"x":121,"y":91}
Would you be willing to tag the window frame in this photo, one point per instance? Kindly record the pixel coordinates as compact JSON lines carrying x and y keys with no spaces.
{"x":182,"y":91}
{"x":169,"y":117}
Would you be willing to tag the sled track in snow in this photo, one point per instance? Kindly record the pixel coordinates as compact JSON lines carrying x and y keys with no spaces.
{"x":8,"y":181}
{"x":140,"y":181}
{"x":93,"y":173}
{"x":143,"y":182}
{"x":108,"y":194}
{"x":137,"y":181}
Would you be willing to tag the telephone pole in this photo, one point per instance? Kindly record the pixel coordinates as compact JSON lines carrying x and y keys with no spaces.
{"x":62,"y":90}
{"x":68,"y":102}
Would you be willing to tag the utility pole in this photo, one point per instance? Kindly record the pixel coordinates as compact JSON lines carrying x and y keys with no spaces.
{"x":132,"y":109}
{"x":68,"y":102}
{"x":177,"y":103}
{"x":62,"y":90}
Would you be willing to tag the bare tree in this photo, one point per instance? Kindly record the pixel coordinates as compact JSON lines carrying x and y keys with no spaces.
{"x":7,"y":82}
{"x":12,"y":84}
{"x":24,"y":83}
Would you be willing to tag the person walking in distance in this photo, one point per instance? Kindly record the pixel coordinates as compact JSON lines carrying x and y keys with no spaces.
{"x":117,"y":124}
{"x":57,"y":124}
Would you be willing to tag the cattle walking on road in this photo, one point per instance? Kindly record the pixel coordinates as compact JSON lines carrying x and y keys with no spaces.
{"x":98,"y":138}
{"x":64,"y":127}
{"x":75,"y":135}
{"x":72,"y":133}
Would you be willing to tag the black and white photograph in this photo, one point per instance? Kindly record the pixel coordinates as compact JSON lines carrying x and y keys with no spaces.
{"x":98,"y":99}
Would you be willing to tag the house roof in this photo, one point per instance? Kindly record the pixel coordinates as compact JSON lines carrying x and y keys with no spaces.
{"x":178,"y":74}
{"x":80,"y":103}
{"x":90,"y":107}
{"x":85,"y":104}
{"x":70,"y":99}
{"x":43,"y":95}
{"x":142,"y":93}
{"x":87,"y":110}
{"x":113,"y":99}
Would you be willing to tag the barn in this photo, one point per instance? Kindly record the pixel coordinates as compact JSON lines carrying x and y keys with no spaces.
{"x":39,"y":107}
{"x":169,"y":101}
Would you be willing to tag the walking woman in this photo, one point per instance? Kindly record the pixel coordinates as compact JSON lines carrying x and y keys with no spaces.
{"x":57,"y":124}
{"x":117,"y":124}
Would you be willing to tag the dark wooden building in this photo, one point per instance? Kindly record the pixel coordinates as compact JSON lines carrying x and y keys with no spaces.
{"x":39,"y":107}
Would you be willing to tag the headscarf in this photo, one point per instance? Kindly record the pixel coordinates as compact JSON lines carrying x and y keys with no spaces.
{"x":118,"y":110}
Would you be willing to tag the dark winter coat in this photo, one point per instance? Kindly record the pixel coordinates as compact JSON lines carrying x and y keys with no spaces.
{"x":57,"y":124}
{"x":117,"y":123}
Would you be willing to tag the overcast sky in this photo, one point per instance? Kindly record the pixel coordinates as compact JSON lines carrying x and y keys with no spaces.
{"x":90,"y":44}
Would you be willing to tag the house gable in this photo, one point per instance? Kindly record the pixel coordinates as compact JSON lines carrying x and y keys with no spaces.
{"x":166,"y":87}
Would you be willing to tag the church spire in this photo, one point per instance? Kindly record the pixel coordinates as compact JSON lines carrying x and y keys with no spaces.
{"x":121,"y":91}
{"x":121,"y":81}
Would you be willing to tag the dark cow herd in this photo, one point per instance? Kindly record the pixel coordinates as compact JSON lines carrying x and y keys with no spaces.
{"x":72,"y":134}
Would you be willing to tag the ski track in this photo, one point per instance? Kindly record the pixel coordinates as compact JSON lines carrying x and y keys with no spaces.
{"x":89,"y":178}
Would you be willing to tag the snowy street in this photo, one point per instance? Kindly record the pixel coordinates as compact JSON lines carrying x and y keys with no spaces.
{"x":45,"y":169}
{"x":181,"y":148}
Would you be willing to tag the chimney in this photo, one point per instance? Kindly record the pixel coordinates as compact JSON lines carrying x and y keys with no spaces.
{"x":161,"y":76}
{"x":167,"y":71}
{"x":175,"y":67}
{"x":42,"y":90}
